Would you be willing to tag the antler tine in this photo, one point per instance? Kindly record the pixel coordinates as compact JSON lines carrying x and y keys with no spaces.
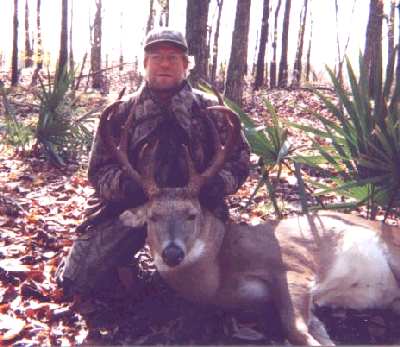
{"x":147,"y":158}
{"x":119,"y":151}
{"x":197,"y":180}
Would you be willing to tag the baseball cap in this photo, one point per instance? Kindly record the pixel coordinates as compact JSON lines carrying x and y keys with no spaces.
{"x":163,"y":34}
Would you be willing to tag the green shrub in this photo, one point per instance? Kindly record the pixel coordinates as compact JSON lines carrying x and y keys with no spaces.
{"x":364,"y":147}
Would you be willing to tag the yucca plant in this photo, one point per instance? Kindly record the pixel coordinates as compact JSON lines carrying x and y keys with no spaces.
{"x":16,"y":133}
{"x":60,"y":130}
{"x":270,"y":143}
{"x":365,"y":141}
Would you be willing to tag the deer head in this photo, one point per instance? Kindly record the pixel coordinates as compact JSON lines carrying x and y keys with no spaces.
{"x":173,"y":216}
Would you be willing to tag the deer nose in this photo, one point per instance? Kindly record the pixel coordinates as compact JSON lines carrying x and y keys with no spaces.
{"x":173,"y":255}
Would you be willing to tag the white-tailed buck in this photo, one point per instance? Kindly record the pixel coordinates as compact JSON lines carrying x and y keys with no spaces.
{"x":325,"y":259}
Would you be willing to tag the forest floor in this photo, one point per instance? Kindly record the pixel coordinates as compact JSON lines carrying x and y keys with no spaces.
{"x":40,"y":205}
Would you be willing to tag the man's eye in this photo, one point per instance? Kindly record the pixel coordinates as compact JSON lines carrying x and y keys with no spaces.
{"x":191,"y":217}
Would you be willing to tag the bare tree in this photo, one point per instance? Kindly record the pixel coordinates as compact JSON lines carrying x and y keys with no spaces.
{"x":95,"y":56}
{"x":14,"y":66}
{"x":373,"y":46}
{"x":297,"y":68}
{"x":150,"y":19}
{"x":341,"y":55}
{"x":238,"y":58}
{"x":308,"y":63}
{"x":283,"y":65}
{"x":391,"y":57}
{"x":259,"y":81}
{"x":272,"y":75}
{"x":71,"y":51}
{"x":121,"y":53}
{"x":196,"y":34}
{"x":39,"y":53}
{"x":220,"y":3}
{"x":28,"y":48}
{"x":63,"y":54}
{"x":164,"y":17}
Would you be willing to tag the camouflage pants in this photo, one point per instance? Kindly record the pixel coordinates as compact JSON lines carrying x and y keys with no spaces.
{"x":95,"y":256}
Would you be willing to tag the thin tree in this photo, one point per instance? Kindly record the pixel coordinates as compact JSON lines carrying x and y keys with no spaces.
{"x":308,"y":63}
{"x":220,"y":3}
{"x":196,"y":34}
{"x":164,"y":17}
{"x":272,"y":75}
{"x":71,"y":51}
{"x":341,"y":55}
{"x":14,"y":64}
{"x":259,"y":81}
{"x":63,"y":54}
{"x":373,"y":46}
{"x":39,"y":52}
{"x":121,"y":53}
{"x":28,"y":47}
{"x":297,"y":68}
{"x":283,"y":65}
{"x":95,"y":56}
{"x":150,"y":19}
{"x":391,"y":57}
{"x":238,"y":58}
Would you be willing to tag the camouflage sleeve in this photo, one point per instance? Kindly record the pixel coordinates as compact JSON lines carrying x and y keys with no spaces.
{"x":236,"y":168}
{"x":104,"y":172}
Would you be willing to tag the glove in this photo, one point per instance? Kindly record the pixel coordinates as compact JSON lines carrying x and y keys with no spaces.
{"x":212,"y":192}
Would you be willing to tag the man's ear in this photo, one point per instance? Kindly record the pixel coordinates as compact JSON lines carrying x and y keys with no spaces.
{"x":145,"y":61}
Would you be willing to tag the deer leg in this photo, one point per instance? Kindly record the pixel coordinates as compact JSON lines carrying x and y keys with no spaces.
{"x":294,"y":302}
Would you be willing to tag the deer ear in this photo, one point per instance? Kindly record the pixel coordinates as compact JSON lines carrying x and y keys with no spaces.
{"x":134,"y":218}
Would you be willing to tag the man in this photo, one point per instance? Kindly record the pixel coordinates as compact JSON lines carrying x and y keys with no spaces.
{"x":166,"y":108}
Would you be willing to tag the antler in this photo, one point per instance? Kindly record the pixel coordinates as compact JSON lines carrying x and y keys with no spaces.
{"x":196,"y":180}
{"x":120,"y":151}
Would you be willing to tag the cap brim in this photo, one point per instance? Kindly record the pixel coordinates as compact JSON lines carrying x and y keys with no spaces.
{"x":157,"y":42}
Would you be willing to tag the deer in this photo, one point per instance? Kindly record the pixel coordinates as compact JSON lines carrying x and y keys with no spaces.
{"x":324,"y":259}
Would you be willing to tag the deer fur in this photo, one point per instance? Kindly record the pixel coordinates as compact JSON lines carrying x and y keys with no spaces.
{"x":328,"y":259}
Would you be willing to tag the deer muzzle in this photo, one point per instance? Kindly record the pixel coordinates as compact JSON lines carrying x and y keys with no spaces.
{"x":173,"y":255}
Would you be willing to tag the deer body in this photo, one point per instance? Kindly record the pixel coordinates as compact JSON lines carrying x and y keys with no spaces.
{"x":326,"y":259}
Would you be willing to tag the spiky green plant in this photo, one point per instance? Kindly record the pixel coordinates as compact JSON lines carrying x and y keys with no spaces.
{"x":60,"y":130}
{"x":270,"y":143}
{"x":364,"y":147}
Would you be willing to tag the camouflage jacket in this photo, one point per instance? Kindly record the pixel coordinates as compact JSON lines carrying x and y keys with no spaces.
{"x":181,"y":121}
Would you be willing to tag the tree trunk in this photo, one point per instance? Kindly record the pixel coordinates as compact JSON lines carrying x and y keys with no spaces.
{"x":391,"y":56}
{"x":196,"y":34}
{"x":28,"y":48}
{"x":283,"y":65}
{"x":165,"y":12}
{"x":263,"y":44}
{"x":308,"y":64}
{"x":121,"y":53}
{"x":150,"y":19}
{"x":96,"y":49}
{"x":373,"y":46}
{"x":63,"y":55}
{"x":398,"y":53}
{"x":14,"y":66}
{"x":39,"y":53}
{"x":39,"y":36}
{"x":238,"y":58}
{"x":272,"y":76}
{"x":297,"y":68}
{"x":71,"y":51}
{"x":220,"y":3}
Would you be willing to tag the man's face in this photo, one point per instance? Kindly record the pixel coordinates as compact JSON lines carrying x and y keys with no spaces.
{"x":165,"y":67}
